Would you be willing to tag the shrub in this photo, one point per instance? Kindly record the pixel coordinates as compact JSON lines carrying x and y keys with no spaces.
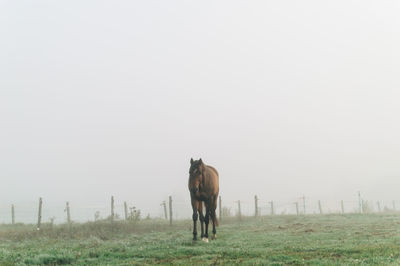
{"x":134,"y":214}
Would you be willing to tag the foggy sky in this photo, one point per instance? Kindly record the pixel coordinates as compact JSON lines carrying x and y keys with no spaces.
{"x":284,"y":98}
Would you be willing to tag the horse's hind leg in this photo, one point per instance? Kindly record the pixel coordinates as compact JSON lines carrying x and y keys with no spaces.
{"x":214,"y":219}
{"x":206,"y":220}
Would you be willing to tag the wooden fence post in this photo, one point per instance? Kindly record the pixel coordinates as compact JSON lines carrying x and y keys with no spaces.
{"x":304,"y":204}
{"x":164,"y":204}
{"x":379,"y":206}
{"x":68,"y":213}
{"x":220,"y":208}
{"x":297,"y":208}
{"x":126,"y":211}
{"x":112,"y":209}
{"x":240,"y":211}
{"x":394,"y":206}
{"x":12,"y":214}
{"x":170,"y":210}
{"x":360,"y":202}
{"x":342,"y":205}
{"x":272,"y":207}
{"x":39,"y":214}
{"x":255,"y":206}
{"x":319,"y":206}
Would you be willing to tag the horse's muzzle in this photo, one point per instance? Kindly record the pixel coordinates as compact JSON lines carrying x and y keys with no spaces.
{"x":194,"y":190}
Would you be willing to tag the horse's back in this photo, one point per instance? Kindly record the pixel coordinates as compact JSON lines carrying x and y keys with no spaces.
{"x":213,"y":169}
{"x":213,"y":180}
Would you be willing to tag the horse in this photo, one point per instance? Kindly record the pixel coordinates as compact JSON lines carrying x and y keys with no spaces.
{"x":204,"y":188}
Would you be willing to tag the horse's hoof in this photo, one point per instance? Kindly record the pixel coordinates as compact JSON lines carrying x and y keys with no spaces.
{"x":205,"y":239}
{"x":215,"y":236}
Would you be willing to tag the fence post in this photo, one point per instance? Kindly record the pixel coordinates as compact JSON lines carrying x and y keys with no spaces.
{"x":379,"y":206}
{"x":359,"y":201}
{"x":319,"y":206}
{"x":272,"y":207}
{"x":170,"y":210}
{"x":112,"y":209}
{"x":364,"y":205}
{"x":68,"y":213}
{"x":394,"y":206}
{"x":342,"y":205}
{"x":39,"y":214}
{"x":220,"y":208}
{"x":239,"y":210}
{"x":255,"y":206}
{"x":164,"y":204}
{"x":304,"y":204}
{"x":126,"y":211}
{"x":297,"y":208}
{"x":12,"y":214}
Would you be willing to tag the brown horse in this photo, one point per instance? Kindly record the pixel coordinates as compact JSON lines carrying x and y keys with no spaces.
{"x":203,"y":187}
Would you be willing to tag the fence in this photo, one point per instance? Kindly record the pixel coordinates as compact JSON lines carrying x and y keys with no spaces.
{"x":171,"y":210}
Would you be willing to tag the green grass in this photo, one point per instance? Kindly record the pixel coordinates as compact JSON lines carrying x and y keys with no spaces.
{"x":279,"y":240}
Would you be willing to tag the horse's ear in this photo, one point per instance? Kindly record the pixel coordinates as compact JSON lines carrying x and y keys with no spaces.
{"x":201,"y":161}
{"x":191,"y":160}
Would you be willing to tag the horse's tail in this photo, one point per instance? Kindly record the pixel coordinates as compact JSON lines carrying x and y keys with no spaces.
{"x":215,"y":207}
{"x":215,"y":219}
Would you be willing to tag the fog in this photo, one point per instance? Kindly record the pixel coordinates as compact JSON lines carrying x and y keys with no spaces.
{"x":283,"y":98}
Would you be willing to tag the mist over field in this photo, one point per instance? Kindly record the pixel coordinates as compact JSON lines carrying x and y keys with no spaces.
{"x":283,"y":98}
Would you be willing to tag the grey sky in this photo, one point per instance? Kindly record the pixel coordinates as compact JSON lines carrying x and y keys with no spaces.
{"x":284,"y":98}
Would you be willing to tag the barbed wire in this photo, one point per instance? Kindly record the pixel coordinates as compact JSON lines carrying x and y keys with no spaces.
{"x":27,"y":212}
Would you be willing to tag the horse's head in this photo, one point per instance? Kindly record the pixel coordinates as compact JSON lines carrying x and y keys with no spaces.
{"x":195,"y":175}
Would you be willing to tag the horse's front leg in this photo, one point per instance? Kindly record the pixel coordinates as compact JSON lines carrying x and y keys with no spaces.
{"x":195,"y":225}
{"x":201,"y":220}
{"x":195,"y":209}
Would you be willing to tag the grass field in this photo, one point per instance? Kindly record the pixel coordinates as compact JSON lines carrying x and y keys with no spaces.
{"x":312,"y":239}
